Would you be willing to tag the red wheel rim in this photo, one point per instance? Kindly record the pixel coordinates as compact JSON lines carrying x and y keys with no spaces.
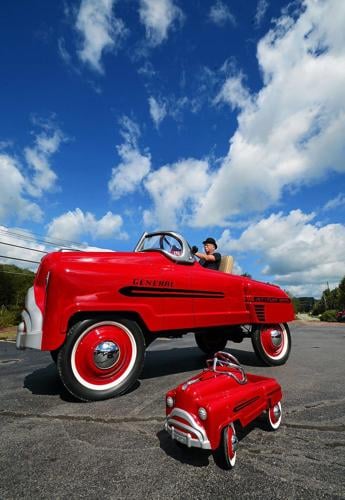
{"x":83,"y":356}
{"x":274,"y":341}
{"x":275,"y":415}
{"x":231,"y":445}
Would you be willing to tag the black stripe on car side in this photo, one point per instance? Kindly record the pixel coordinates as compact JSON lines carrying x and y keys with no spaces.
{"x":140,"y":291}
{"x":246,"y":403}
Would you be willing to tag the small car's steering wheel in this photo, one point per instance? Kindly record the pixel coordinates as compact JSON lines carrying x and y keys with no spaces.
{"x":225,"y":359}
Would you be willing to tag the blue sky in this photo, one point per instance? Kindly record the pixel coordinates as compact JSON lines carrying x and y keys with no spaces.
{"x":208,"y":117}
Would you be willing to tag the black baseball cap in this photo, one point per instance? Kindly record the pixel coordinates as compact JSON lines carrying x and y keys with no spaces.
{"x":210,"y":240}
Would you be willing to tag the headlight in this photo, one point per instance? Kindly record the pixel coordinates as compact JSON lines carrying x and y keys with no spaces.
{"x":170,"y":401}
{"x":202,"y":413}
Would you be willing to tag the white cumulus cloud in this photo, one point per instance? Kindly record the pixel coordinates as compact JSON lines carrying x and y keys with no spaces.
{"x":297,"y":252}
{"x":220,"y":14}
{"x":158,"y":110}
{"x":334,"y":203}
{"x":74,"y":225}
{"x":14,"y":202}
{"x":158,"y":17}
{"x":22,"y":180}
{"x":38,"y":158}
{"x":100,"y":30}
{"x":134,"y":166}
{"x":175,"y":189}
{"x":234,"y":93}
{"x":261,"y":10}
{"x":291,"y":132}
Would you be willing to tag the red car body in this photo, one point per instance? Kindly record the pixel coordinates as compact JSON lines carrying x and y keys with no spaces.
{"x":203,"y":411}
{"x":96,"y":312}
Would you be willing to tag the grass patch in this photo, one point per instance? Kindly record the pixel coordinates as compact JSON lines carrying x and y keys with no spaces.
{"x":8,"y":333}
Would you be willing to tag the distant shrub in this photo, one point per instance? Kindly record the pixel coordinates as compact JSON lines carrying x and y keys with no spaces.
{"x":329,"y":315}
{"x":8,"y":317}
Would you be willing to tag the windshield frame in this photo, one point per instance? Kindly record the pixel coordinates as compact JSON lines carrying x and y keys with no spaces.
{"x":186,"y":256}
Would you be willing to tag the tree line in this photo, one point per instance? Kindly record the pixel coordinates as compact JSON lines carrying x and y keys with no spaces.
{"x":327,"y":306}
{"x":14,"y":283}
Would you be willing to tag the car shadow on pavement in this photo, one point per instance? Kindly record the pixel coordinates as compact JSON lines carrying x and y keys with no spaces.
{"x":246,"y":358}
{"x":190,"y":456}
{"x":201,"y":458}
{"x":46,"y":382}
{"x":186,"y":359}
{"x":170,"y":361}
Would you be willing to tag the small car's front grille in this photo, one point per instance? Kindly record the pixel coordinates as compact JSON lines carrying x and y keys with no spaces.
{"x":260,"y":312}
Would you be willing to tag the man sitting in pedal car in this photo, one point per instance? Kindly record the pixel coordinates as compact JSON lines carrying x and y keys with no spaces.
{"x":210,"y":259}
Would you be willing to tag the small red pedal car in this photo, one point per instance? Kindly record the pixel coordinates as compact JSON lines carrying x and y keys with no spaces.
{"x":202,"y":412}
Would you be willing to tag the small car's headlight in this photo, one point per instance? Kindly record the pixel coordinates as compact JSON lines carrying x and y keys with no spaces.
{"x":170,"y":401}
{"x":202,"y":413}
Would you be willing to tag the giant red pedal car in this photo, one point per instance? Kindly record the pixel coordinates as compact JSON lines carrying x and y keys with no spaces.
{"x":203,"y":411}
{"x":97,"y":312}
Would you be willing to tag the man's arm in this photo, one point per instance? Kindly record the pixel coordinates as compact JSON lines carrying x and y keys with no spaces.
{"x":204,"y":256}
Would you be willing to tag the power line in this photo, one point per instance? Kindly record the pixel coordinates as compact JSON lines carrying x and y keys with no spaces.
{"x":17,"y":258}
{"x":25,"y":248}
{"x":37,"y":237}
{"x":26,"y":238}
{"x":29,"y":235}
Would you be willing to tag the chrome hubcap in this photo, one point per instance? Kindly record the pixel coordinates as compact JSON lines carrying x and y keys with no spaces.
{"x":106,"y":355}
{"x":276,"y":411}
{"x":234,"y":443}
{"x":276,"y":337}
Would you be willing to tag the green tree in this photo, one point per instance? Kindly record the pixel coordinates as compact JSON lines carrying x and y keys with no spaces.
{"x":14,"y":283}
{"x":331,"y":300}
{"x":341,"y":294}
{"x":296,"y":304}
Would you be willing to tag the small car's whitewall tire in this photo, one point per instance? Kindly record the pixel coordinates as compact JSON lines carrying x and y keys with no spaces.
{"x":225,"y":454}
{"x":230,"y":445}
{"x":274,"y":417}
{"x":272,"y":343}
{"x":101,"y":358}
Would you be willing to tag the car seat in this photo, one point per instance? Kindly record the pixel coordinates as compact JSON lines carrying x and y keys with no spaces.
{"x":226,"y":264}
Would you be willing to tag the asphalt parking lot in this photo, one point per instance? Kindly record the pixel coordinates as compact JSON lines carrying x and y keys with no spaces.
{"x":54,"y":447}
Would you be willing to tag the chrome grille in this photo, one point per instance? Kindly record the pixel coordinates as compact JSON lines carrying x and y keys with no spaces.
{"x":260,"y":312}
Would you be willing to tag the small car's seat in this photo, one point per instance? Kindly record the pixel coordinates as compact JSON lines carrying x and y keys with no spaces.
{"x":226,"y":264}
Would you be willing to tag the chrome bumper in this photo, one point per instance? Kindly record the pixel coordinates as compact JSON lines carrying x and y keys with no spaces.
{"x":183,"y":431}
{"x":29,"y":331}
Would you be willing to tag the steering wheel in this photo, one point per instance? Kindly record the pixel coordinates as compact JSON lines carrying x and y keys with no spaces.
{"x":164,"y":240}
